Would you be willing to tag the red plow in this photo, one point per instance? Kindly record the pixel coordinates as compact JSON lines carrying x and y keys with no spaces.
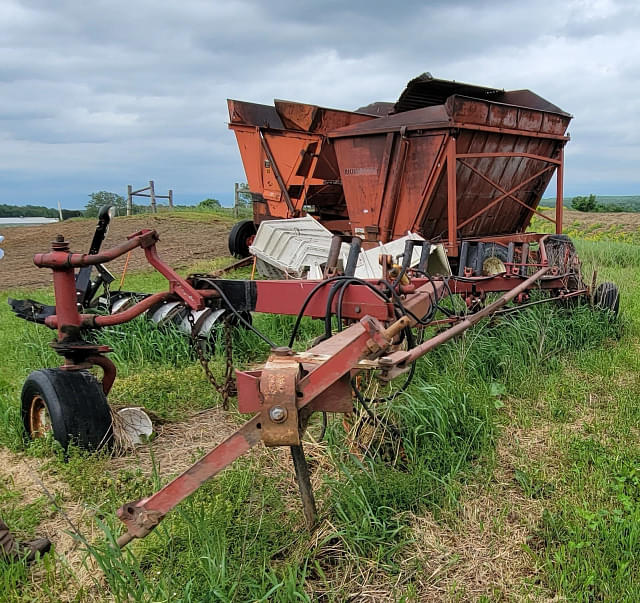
{"x":467,"y":173}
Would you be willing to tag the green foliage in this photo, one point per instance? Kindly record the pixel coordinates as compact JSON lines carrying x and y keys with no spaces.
{"x":585,"y":203}
{"x":589,"y":547}
{"x":226,"y":541}
{"x":606,"y":203}
{"x":209,"y":204}
{"x":36,"y":211}
{"x":97,"y":200}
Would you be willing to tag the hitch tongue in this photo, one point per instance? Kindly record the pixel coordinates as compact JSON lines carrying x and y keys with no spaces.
{"x":140,"y":521}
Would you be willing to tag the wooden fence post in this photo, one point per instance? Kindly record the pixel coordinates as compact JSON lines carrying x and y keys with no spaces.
{"x":152,"y":194}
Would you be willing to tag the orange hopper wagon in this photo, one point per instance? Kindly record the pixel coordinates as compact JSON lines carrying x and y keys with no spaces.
{"x":448,"y":160}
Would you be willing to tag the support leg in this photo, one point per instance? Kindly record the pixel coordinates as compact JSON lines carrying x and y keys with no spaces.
{"x":304,"y":485}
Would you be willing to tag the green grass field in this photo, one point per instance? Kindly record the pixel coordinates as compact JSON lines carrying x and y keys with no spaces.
{"x":519,"y":477}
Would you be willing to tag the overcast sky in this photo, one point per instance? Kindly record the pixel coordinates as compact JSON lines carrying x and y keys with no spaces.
{"x":96,"y":95}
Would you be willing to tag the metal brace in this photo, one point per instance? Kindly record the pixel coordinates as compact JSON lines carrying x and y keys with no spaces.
{"x":278,"y":387}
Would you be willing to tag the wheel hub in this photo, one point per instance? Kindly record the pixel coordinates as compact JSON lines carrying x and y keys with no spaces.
{"x":39,"y":419}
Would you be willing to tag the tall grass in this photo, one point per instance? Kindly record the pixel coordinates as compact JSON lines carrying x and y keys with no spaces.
{"x":241,"y":536}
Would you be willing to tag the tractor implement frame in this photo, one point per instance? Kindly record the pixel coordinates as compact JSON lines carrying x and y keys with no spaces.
{"x":291,"y":386}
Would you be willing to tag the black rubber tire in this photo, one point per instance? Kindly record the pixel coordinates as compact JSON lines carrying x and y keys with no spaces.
{"x":239,"y":236}
{"x":607,"y":297}
{"x":76,"y":406}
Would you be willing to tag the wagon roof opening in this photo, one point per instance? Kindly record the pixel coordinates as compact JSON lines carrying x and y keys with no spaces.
{"x":427,"y":91}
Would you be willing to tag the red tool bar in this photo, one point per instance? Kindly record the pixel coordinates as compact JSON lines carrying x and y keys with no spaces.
{"x":343,"y":351}
{"x":63,"y":259}
{"x":93,"y":320}
{"x":458,"y":328}
{"x":177,"y":284}
{"x":287,"y":297}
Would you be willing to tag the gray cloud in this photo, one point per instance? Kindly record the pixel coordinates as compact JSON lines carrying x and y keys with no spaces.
{"x":99,"y":94}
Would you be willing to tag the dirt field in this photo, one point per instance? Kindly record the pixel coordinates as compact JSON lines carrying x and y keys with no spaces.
{"x":628,"y":222}
{"x":183,"y":241}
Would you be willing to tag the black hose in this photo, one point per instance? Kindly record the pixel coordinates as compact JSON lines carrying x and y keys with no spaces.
{"x":238,"y":315}
{"x":319,"y":286}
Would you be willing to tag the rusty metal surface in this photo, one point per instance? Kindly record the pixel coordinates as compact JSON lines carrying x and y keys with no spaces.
{"x":501,"y":147}
{"x":312,"y":118}
{"x":303,"y":479}
{"x":383,"y":165}
{"x":253,"y":114}
{"x":286,"y":159}
{"x":426,"y":91}
{"x":278,"y":390}
{"x":385,"y":174}
{"x":142,"y":516}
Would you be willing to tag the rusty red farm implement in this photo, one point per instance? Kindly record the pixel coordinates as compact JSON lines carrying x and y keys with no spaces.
{"x":461,"y":165}
{"x":448,"y":161}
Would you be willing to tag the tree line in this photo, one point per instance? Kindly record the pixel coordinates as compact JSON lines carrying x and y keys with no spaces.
{"x":95,"y":202}
{"x":590,"y":203}
{"x":36,"y":211}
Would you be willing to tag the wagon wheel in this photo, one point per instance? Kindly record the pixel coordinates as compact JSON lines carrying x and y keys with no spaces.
{"x":241,"y":237}
{"x":607,"y":297}
{"x":68,"y":405}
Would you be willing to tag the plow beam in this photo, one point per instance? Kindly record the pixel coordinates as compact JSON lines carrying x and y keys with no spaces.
{"x":339,"y":354}
{"x":397,"y":363}
{"x":142,"y":516}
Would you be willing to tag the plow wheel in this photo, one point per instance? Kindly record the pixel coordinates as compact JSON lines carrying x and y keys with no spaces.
{"x":241,"y":237}
{"x":68,"y":405}
{"x":607,"y":297}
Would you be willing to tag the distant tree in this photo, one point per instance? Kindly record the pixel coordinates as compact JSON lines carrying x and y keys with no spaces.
{"x":585,"y":203}
{"x":209,"y":204}
{"x":97,"y":200}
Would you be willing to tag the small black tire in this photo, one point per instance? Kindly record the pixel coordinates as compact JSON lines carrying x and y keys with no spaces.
{"x":71,"y":405}
{"x":240,"y":238}
{"x":607,"y":297}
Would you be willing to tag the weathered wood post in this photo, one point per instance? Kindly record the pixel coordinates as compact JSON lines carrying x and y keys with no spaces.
{"x":129,"y":199}
{"x":152,"y":194}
